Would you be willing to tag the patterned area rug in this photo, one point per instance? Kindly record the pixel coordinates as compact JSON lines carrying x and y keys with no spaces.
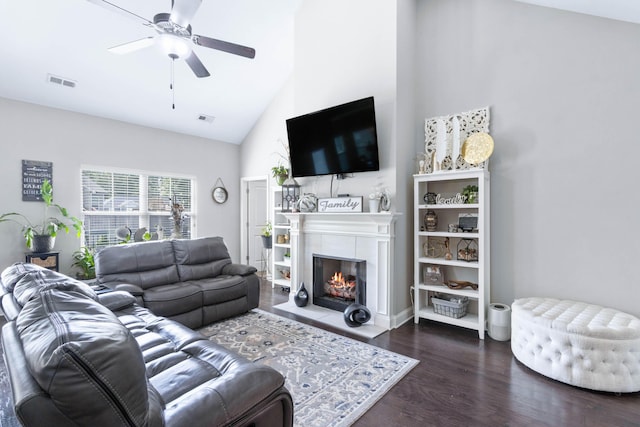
{"x":7,"y":415}
{"x":333,"y":379}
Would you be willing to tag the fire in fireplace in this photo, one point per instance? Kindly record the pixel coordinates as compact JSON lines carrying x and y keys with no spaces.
{"x":341,"y":286}
{"x":338,"y":282}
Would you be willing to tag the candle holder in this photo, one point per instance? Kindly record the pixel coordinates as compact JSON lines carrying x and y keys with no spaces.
{"x":468,"y":250}
{"x":430,"y":220}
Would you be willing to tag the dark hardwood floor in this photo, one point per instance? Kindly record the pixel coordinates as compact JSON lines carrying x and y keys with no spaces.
{"x":464,"y":381}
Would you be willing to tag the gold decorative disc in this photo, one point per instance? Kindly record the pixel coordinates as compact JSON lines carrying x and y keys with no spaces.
{"x":477,"y":148}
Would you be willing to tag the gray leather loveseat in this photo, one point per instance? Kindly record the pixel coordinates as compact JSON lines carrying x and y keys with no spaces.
{"x":191,"y":281}
{"x":75,"y":358}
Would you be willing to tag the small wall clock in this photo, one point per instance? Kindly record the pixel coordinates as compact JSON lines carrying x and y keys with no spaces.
{"x":219,"y":193}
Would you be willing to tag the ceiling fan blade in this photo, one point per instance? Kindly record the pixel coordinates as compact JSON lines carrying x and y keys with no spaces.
{"x":115,"y":8}
{"x":228,"y":47}
{"x":132,"y":46}
{"x":196,"y":65}
{"x":183,"y":11}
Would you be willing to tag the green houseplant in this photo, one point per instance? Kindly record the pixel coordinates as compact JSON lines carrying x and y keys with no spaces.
{"x":39,"y":237}
{"x":84,"y":260}
{"x":471,"y":193}
{"x":280,"y":173}
{"x":267,"y":237}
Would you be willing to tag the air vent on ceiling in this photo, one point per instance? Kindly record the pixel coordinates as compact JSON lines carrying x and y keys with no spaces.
{"x":205,"y":118}
{"x":60,"y":81}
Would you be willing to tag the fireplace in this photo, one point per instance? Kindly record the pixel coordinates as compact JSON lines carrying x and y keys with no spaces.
{"x":339,"y":282}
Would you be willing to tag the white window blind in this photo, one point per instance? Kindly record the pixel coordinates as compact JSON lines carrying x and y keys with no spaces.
{"x":112,"y":200}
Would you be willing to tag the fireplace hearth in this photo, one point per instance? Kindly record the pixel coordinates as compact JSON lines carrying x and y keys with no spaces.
{"x":338,"y":282}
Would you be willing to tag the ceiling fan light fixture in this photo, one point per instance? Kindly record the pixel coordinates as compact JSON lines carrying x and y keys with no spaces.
{"x":174,"y":46}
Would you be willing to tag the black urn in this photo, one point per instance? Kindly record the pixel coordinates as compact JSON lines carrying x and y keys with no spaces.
{"x":301,"y":298}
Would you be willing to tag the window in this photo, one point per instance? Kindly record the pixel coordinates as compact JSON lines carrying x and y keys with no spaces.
{"x":113,"y":200}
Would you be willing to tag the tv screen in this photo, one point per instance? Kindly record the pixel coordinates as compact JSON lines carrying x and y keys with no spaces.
{"x":336,"y":140}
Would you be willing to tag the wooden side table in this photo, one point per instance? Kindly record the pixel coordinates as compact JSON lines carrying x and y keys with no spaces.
{"x":48,"y":260}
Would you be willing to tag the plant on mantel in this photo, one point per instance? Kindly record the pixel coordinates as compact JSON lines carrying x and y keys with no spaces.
{"x":280,"y":173}
{"x":51,"y":224}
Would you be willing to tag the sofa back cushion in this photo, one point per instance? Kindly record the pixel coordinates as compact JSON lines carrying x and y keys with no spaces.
{"x":145,"y":264}
{"x":200,"y":258}
{"x":84,"y":359}
{"x":37,"y":280}
{"x":12,"y":274}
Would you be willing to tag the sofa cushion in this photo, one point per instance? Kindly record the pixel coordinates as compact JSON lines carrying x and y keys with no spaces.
{"x":201,"y":383}
{"x":200,"y":258}
{"x":146,"y":264}
{"x":86,"y":360}
{"x":221,"y":289}
{"x":173,"y":299}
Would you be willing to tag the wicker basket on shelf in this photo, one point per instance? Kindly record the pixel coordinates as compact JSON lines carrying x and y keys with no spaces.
{"x":450,"y":306}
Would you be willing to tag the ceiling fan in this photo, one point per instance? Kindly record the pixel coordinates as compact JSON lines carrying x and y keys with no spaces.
{"x":175,"y":36}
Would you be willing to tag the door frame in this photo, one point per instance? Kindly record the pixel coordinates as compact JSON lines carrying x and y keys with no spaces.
{"x":244,"y":212}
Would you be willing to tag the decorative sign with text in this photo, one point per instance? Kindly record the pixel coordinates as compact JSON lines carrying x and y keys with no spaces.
{"x":33,"y":174}
{"x":340,"y":204}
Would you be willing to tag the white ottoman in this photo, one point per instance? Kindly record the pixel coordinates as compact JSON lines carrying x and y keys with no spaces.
{"x":581,"y":344}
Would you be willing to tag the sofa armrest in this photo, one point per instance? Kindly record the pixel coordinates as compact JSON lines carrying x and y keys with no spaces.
{"x":134,"y":290}
{"x":238,"y":269}
{"x":116,"y":300}
{"x":32,"y":405}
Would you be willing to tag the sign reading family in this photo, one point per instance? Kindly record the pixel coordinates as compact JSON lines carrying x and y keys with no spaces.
{"x":340,"y":204}
{"x":33,"y":174}
{"x":458,"y":199}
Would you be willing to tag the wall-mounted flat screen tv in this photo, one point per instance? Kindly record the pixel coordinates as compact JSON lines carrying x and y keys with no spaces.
{"x":337,"y":140}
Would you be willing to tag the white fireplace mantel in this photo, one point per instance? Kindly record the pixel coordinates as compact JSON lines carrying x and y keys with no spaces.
{"x":368,"y":236}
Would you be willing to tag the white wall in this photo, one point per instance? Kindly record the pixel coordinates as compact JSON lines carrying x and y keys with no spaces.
{"x":70,"y":140}
{"x":345,"y":51}
{"x":563,"y":90}
{"x":263,"y":146}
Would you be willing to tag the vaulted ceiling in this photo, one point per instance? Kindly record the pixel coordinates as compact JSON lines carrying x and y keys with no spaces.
{"x":68,"y":40}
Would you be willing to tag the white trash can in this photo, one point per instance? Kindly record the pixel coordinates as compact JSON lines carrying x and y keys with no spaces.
{"x":500,"y":322}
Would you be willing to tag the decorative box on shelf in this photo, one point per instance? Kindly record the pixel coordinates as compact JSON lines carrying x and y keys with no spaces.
{"x":433,"y":275}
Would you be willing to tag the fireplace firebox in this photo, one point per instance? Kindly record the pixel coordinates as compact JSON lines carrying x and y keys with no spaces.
{"x":339,"y":282}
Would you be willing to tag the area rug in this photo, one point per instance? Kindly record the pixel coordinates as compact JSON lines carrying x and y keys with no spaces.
{"x":7,"y":414}
{"x":334,"y":380}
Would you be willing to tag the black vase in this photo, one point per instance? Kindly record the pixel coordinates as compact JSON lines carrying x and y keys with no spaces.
{"x":301,"y":298}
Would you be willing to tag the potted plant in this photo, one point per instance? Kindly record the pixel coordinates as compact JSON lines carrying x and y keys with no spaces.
{"x":280,"y":173}
{"x":267,"y":237}
{"x":471,"y":193}
{"x":84,"y":260}
{"x":40,"y":237}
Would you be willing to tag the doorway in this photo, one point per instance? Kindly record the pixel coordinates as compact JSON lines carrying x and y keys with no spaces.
{"x":254,"y":216}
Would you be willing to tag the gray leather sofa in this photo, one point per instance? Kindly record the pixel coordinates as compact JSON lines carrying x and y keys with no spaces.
{"x":75,"y":358}
{"x":191,"y":281}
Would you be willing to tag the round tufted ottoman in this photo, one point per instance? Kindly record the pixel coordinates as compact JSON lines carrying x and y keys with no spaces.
{"x":581,"y":344}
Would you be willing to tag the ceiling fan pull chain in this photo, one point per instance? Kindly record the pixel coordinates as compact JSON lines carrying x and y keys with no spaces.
{"x":173,"y":91}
